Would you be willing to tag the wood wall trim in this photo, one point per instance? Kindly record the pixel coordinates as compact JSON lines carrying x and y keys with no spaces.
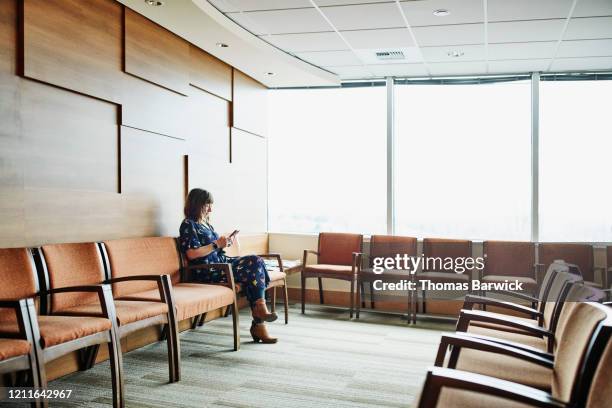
{"x":71,"y":45}
{"x":210,"y":74}
{"x":155,"y":54}
{"x":250,"y":105}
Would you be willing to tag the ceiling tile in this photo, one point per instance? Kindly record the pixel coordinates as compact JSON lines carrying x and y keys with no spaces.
{"x":588,"y":8}
{"x":282,"y":21}
{"x":307,"y":42}
{"x":585,"y":48}
{"x":449,"y":35}
{"x":441,"y":54}
{"x":457,"y":68}
{"x":330,"y":58}
{"x":518,"y":66}
{"x":582,"y":64}
{"x":536,"y":50}
{"x":525,"y":31}
{"x":364,"y":16}
{"x":384,"y":38}
{"x":589,"y":28}
{"x":412,"y":70}
{"x":420,"y":13}
{"x":504,"y":10}
{"x":250,"y":5}
{"x":350,"y":72}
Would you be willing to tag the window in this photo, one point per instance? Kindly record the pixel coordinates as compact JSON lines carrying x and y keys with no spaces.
{"x":327,"y":160}
{"x":463,"y":160}
{"x":575,"y":161}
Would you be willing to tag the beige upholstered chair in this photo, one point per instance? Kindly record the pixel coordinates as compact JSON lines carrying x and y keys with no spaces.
{"x":510,"y":260}
{"x":386,"y":246}
{"x":337,"y":259}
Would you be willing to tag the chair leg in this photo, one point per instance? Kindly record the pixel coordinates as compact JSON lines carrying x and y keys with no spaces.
{"x":352,"y":298}
{"x":362,"y":291}
{"x":87,"y":357}
{"x":164,"y":333}
{"x":195,"y":321}
{"x":372,"y":295}
{"x":359,"y":295}
{"x":424,"y":304}
{"x":236,"y":324}
{"x":116,"y":365}
{"x":303,"y":290}
{"x":273,"y":299}
{"x":202,"y":320}
{"x":286,"y":301}
{"x":227,"y":311}
{"x":320,"y":290}
{"x":174,"y":348}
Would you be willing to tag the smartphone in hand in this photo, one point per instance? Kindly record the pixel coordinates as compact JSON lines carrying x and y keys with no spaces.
{"x":233,"y":234}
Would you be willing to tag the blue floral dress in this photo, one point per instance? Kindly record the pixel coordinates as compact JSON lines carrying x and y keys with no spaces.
{"x":249,"y":271}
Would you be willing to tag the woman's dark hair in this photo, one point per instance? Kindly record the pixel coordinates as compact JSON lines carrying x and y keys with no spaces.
{"x":196,"y":200}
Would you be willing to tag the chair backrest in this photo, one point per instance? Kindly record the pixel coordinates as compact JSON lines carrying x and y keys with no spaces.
{"x":17,"y":278}
{"x":608,"y":266}
{"x":578,"y":254}
{"x":141,"y":256}
{"x":556,"y":295}
{"x":576,"y":357}
{"x":444,"y":248}
{"x":388,"y":246}
{"x":72,"y":265}
{"x":337,"y":248}
{"x":508,"y":258}
{"x":601,"y":386}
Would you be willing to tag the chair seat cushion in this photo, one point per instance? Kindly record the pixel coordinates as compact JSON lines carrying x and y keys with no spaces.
{"x":128,"y":311}
{"x":532,"y":341}
{"x":505,"y":368}
{"x":276,"y":275}
{"x":191,"y":299}
{"x":391,"y":274}
{"x":13,"y":348}
{"x":442,"y":277}
{"x":593,"y":284}
{"x":454,"y":398}
{"x":328,"y":269}
{"x":504,"y":328}
{"x":56,"y":330}
{"x":529,"y":284}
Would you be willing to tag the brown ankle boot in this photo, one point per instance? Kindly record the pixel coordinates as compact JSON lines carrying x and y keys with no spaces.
{"x":260,"y":311}
{"x":260,"y":333}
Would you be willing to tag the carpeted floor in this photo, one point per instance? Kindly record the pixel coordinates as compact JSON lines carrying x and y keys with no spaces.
{"x":322,"y":359}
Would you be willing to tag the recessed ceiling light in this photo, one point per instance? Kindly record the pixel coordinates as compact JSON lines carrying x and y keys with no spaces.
{"x":441,"y":12}
{"x":270,"y":73}
{"x":222,"y":45}
{"x":155,"y":3}
{"x":455,"y":53}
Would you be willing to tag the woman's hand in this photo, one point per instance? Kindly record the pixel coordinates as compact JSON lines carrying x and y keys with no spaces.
{"x":222,"y":242}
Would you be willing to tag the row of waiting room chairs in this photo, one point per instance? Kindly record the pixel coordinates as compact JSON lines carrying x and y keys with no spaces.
{"x":556,"y":354}
{"x":66,"y":297}
{"x":341,"y":256}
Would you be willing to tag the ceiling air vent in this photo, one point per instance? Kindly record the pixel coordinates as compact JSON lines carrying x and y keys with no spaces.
{"x":389,"y":55}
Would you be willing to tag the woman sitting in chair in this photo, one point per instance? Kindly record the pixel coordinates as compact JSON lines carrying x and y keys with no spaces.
{"x":202,"y":245}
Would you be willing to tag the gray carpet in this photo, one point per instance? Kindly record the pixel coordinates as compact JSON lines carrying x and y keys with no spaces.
{"x":322,"y":359}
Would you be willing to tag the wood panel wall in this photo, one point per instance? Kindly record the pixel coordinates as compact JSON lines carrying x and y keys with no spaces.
{"x":107,"y":119}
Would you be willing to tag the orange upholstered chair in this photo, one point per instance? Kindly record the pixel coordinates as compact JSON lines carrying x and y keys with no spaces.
{"x":81,"y":264}
{"x":505,"y":259}
{"x":159,"y":256}
{"x":56,"y":335}
{"x":337,"y":259}
{"x":580,"y":255}
{"x":386,"y":246}
{"x":444,"y":248}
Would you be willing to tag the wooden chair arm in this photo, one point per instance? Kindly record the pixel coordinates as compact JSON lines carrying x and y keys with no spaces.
{"x":471,"y":300}
{"x":459,"y":342}
{"x":105,"y":296}
{"x":23,"y":309}
{"x":467,"y":316}
{"x":444,"y":377}
{"x":226,"y":268}
{"x":306,"y":252}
